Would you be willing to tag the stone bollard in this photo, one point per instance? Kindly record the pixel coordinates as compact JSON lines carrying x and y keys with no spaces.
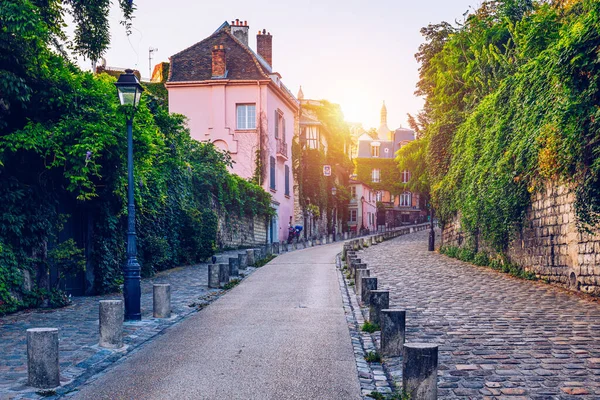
{"x":324,"y":240}
{"x":213,"y":276}
{"x":310,"y":243}
{"x":419,"y":370}
{"x":360,"y":273}
{"x":234,"y":266}
{"x":162,"y":300}
{"x":242,"y":260}
{"x":378,"y":300}
{"x":257,"y":255}
{"x":393,"y":328}
{"x":250,"y":258}
{"x":285,"y":247}
{"x":304,"y":244}
{"x":358,"y":267}
{"x":111,"y":316}
{"x":223,"y":274}
{"x":330,"y":238}
{"x":367,"y":285}
{"x":42,"y":358}
{"x":345,"y":235}
{"x":269,"y":249}
{"x":275,"y":247}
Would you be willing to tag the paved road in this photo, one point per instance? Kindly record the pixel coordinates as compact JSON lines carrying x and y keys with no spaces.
{"x":281,"y":334}
{"x":499,"y":336}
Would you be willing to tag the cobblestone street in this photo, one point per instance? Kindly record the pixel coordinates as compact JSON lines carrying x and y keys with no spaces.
{"x":498,"y":335}
{"x":80,"y":355}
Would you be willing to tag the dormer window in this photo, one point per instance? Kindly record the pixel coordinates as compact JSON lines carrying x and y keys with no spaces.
{"x":375,"y":149}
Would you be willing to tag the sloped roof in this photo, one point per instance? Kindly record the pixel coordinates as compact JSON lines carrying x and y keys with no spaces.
{"x":195,"y":62}
{"x":403,"y":134}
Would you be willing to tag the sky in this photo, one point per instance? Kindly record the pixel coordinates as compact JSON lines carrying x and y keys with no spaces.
{"x":357,"y":53}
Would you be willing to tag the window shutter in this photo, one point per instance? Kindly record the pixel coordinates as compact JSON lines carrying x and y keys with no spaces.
{"x":276,"y":121}
{"x":283,"y":129}
{"x":272,"y":173}
{"x":287,"y":180}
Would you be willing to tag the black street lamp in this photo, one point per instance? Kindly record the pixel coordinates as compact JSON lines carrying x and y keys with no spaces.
{"x":333,"y":193}
{"x":130,"y":91}
{"x":431,"y":229}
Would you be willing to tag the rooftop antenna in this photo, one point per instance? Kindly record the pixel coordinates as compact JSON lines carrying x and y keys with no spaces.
{"x":151,"y":50}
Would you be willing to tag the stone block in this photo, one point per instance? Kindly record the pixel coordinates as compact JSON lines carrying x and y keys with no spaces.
{"x":213,"y":276}
{"x":243,"y":260}
{"x":42,"y":358}
{"x":161,"y":300}
{"x":367,"y":285}
{"x":360,"y":273}
{"x":419,"y":370}
{"x":378,"y":300}
{"x":223,"y":274}
{"x":393,"y":331}
{"x":111,"y":316}
{"x":234,"y":266}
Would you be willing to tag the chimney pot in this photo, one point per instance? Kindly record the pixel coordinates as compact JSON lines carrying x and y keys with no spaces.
{"x":240,"y":31}
{"x":245,"y":23}
{"x":237,"y":21}
{"x":232,"y":22}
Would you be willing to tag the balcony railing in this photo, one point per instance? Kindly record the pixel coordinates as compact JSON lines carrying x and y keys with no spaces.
{"x":282,"y":149}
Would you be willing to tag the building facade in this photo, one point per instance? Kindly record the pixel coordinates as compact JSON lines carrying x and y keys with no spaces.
{"x":362,"y":211}
{"x":376,"y":166}
{"x":232,"y":97}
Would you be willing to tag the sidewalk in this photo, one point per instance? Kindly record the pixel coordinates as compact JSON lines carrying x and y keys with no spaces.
{"x":80,"y":355}
{"x":281,"y":334}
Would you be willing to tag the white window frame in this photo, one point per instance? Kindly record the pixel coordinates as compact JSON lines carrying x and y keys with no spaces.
{"x":245,"y":116}
{"x":405,"y":199}
{"x":353,"y":215}
{"x":374,"y":151}
{"x":405,"y":176}
{"x":375,"y":175}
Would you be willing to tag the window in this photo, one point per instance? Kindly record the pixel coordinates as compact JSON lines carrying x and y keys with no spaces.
{"x":392,"y":198}
{"x":405,"y":176}
{"x":352,"y":192}
{"x":374,"y":151}
{"x":287,"y":180}
{"x":246,"y":116}
{"x":272,"y":173}
{"x":379,"y":195}
{"x":279,"y":125}
{"x":311,"y":133}
{"x":405,"y":199}
{"x":353,"y":214}
{"x":375,"y":175}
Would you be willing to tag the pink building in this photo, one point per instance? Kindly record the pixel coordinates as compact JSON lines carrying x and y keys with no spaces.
{"x":362,"y":208}
{"x":233,"y":98}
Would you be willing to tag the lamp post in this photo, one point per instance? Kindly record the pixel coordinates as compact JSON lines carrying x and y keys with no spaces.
{"x":130,"y":91}
{"x":431,"y":229}
{"x":333,"y":193}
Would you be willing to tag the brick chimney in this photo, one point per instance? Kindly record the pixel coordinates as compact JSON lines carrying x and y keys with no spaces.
{"x":219,"y":62}
{"x":264,"y":46}
{"x":239,"y":29}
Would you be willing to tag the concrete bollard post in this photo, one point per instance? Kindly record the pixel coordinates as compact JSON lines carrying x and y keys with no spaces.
{"x":234,"y":266}
{"x":367,"y":285}
{"x":360,"y":273}
{"x":213,"y":276}
{"x":419,"y":370}
{"x":257,"y":255}
{"x":242,"y":260}
{"x":393,"y":332}
{"x":378,"y":300}
{"x":42,"y":358}
{"x":269,"y":249}
{"x":310,"y":243}
{"x":223,"y":274}
{"x":358,"y":267}
{"x":330,"y":238}
{"x":275,"y":247}
{"x":250,"y":257}
{"x":285,"y":247}
{"x":162,"y":300}
{"x":111,"y":316}
{"x":345,"y":235}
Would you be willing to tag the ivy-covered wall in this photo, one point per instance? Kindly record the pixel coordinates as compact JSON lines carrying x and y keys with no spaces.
{"x":389,"y":173}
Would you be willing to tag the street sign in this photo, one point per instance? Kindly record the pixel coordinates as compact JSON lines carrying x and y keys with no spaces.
{"x":327,"y":170}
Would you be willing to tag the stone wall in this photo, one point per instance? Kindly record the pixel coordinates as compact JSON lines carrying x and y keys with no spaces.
{"x":549,"y":242}
{"x":234,"y":232}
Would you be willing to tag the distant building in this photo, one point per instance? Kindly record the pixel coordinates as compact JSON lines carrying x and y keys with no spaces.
{"x":363,"y":207}
{"x":375,"y":166}
{"x":232,"y":97}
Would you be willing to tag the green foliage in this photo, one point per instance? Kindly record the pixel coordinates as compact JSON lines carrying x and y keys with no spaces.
{"x":373,"y":357}
{"x":512,"y":99}
{"x":370,"y":327}
{"x":264,"y":261}
{"x":66,"y":259}
{"x":389,"y":173}
{"x":231,"y":284}
{"x":63,"y":150}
